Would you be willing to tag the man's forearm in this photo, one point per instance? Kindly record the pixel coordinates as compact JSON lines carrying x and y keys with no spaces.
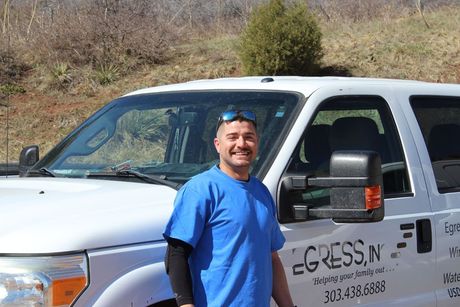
{"x":280,"y":292}
{"x":177,"y":267}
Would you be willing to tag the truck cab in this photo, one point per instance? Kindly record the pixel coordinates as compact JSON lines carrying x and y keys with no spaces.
{"x":364,"y":173}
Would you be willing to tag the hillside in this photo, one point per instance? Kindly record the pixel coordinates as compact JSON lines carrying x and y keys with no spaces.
{"x":400,"y":47}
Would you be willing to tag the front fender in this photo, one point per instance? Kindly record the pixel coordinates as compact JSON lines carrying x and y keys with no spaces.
{"x":141,"y":287}
{"x":127,"y":276}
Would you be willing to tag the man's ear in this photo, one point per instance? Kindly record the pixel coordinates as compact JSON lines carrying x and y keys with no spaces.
{"x":217,"y":144}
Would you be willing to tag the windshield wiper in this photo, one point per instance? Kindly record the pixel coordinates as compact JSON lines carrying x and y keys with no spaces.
{"x":42,"y":171}
{"x":151,"y":178}
{"x":155,"y":179}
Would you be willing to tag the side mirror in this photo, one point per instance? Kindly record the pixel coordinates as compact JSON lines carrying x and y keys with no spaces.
{"x":28,"y":157}
{"x":356,"y":189}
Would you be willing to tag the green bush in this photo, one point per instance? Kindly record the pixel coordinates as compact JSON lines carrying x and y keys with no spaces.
{"x":11,"y":89}
{"x":280,"y":40}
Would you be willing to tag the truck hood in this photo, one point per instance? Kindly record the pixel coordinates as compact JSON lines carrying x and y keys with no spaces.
{"x":55,"y":215}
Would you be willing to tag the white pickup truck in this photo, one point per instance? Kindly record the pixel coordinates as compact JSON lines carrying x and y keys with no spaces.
{"x":365,"y":174}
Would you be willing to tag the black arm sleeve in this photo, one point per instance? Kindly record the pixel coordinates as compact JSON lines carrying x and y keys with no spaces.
{"x":176,"y":262}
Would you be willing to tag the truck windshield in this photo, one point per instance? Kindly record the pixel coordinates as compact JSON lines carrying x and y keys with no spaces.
{"x":165,"y":136}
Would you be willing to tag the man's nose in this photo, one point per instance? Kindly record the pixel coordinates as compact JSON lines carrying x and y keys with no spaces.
{"x":241,"y":141}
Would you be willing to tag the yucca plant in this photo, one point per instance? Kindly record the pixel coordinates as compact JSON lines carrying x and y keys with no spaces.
{"x":107,"y":74}
{"x":61,"y":73}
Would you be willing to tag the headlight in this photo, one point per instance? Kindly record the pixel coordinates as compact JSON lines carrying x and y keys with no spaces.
{"x":42,"y":281}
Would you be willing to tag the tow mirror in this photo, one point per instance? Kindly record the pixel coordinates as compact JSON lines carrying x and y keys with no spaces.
{"x":356,"y":189}
{"x":28,"y":157}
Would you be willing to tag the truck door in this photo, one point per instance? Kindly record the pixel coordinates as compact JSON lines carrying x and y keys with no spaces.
{"x":384,"y":263}
{"x":437,"y":132}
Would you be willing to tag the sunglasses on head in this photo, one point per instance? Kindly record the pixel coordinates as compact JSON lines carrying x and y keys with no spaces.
{"x":233,"y":115}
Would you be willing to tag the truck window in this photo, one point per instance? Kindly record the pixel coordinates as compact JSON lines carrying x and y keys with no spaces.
{"x":439,"y":121}
{"x":351,"y":123}
{"x":167,"y":135}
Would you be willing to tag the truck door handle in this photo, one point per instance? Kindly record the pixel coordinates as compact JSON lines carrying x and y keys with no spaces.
{"x":424,"y":240}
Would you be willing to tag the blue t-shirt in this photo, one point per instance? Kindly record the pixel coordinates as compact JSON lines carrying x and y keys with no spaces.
{"x":232,"y":227}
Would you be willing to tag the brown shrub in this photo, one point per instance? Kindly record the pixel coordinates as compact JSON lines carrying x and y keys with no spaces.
{"x":12,"y":69}
{"x":91,"y":32}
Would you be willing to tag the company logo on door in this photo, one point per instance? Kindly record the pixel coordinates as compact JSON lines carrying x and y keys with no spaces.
{"x":355,"y":269}
{"x":337,"y":255}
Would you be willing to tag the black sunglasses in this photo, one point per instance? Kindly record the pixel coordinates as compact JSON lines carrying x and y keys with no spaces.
{"x":233,"y":115}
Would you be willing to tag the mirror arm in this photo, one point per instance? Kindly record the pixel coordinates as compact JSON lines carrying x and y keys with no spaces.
{"x":303,"y":182}
{"x":299,"y":182}
{"x":303,"y":212}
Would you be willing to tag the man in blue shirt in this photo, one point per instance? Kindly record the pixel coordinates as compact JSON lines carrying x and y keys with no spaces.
{"x":223,"y":235}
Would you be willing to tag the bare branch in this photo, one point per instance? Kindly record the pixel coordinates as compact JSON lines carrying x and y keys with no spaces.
{"x":420,"y":7}
{"x":34,"y":10}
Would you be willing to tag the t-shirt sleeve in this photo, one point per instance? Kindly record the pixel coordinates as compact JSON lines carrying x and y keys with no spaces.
{"x":278,"y":238}
{"x":189,"y":216}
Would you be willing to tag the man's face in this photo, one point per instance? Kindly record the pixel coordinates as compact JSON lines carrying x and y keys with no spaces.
{"x":236,"y":143}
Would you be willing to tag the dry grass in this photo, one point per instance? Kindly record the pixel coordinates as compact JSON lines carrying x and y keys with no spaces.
{"x":398,"y":46}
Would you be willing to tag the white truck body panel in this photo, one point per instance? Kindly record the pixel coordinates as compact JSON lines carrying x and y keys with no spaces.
{"x":56,"y":215}
{"x":119,"y":224}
